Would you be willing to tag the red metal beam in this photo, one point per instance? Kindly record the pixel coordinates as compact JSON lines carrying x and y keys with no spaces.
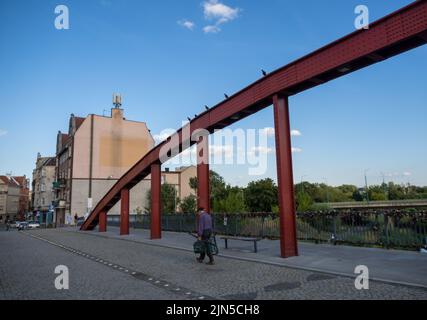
{"x":103,"y":221}
{"x":396,"y":33}
{"x":156,"y":204}
{"x":124,"y":212}
{"x":203,"y":188}
{"x":288,"y":236}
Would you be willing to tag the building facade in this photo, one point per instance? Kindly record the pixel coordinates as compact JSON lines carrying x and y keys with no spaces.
{"x":180,"y":179}
{"x":13,"y":198}
{"x":24,"y":196}
{"x":92,"y":156}
{"x":42,"y":188}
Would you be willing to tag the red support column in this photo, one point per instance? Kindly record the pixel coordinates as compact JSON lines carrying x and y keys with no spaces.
{"x":103,"y":221}
{"x":156,"y":204}
{"x":124,"y":212}
{"x":288,"y":239}
{"x":203,"y":188}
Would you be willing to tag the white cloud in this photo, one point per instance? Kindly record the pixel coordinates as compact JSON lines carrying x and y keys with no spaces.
{"x":3,"y":132}
{"x":270,"y":132}
{"x":162,"y":136}
{"x":397,"y":174}
{"x":296,"y":150}
{"x":215,"y":150}
{"x":213,"y":9}
{"x":211,"y":29}
{"x":260,"y":150}
{"x":187,"y":24}
{"x":295,"y":133}
{"x":218,"y":150}
{"x":220,"y":13}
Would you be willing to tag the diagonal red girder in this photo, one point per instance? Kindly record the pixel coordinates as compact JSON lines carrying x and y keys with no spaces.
{"x":394,"y":34}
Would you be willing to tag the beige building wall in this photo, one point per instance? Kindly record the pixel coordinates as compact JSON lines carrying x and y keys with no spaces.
{"x":117,"y":145}
{"x":12,"y":201}
{"x":100,"y":188}
{"x":3,"y":199}
{"x":43,"y":176}
{"x":186,"y":174}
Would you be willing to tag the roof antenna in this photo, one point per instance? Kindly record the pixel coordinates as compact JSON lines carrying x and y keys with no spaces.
{"x":117,"y":100}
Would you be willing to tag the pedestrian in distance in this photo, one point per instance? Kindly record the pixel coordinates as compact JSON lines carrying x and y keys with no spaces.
{"x":7,"y":225}
{"x":204,"y":232}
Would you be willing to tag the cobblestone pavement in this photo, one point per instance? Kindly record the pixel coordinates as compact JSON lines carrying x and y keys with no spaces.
{"x":27,"y":272}
{"x":160,"y":270}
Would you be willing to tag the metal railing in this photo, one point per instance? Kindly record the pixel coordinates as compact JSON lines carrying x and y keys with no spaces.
{"x":387,"y":229}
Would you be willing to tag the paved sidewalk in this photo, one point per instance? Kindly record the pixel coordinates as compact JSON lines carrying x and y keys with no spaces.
{"x":395,"y":266}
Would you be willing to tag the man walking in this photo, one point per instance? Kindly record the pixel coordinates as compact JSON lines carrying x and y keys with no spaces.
{"x":204,"y":231}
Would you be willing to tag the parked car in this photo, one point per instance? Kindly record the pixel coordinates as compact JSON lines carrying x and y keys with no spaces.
{"x":14,"y":224}
{"x":33,"y":225}
{"x":23,"y":226}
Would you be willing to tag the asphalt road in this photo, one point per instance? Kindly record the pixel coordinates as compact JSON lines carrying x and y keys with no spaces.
{"x":101,"y":268}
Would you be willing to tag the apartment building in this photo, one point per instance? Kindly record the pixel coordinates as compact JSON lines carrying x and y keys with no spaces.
{"x":13,"y":197}
{"x":90,"y":158}
{"x":180,"y":179}
{"x":94,"y":153}
{"x":42,"y":188}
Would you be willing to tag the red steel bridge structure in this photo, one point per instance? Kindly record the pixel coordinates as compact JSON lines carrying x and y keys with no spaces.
{"x":394,"y":34}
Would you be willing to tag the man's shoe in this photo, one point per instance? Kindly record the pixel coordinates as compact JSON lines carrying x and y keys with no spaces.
{"x":199,"y":260}
{"x":211,"y":263}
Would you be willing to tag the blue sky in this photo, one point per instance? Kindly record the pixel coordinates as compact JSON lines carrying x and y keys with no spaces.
{"x":166,"y":65}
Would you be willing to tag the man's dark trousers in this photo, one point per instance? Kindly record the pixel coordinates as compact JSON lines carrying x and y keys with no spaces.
{"x":205,"y":238}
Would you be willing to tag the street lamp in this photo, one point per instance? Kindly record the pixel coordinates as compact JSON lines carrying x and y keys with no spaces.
{"x":302,"y":184}
{"x":384,"y":186}
{"x":366,"y":187}
{"x":327,"y":190}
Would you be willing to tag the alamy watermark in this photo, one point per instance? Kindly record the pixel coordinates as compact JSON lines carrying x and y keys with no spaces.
{"x":62,"y":281}
{"x":228,"y":146}
{"x":362,"y":20}
{"x":362,"y":280}
{"x":62,"y":20}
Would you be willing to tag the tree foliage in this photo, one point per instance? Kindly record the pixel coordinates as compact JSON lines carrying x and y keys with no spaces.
{"x":169,"y":198}
{"x":189,"y":204}
{"x":261,"y":195}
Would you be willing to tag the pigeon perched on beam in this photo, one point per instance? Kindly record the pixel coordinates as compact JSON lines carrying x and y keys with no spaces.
{"x":226,"y":96}
{"x":264,"y":73}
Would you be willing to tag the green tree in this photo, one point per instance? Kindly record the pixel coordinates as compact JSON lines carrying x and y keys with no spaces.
{"x":170,"y":201}
{"x":189,"y":204}
{"x":303,"y":202}
{"x":218,"y":186}
{"x":193,"y":184}
{"x":233,"y":203}
{"x":261,"y":195}
{"x":218,"y":189}
{"x":395,"y":192}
